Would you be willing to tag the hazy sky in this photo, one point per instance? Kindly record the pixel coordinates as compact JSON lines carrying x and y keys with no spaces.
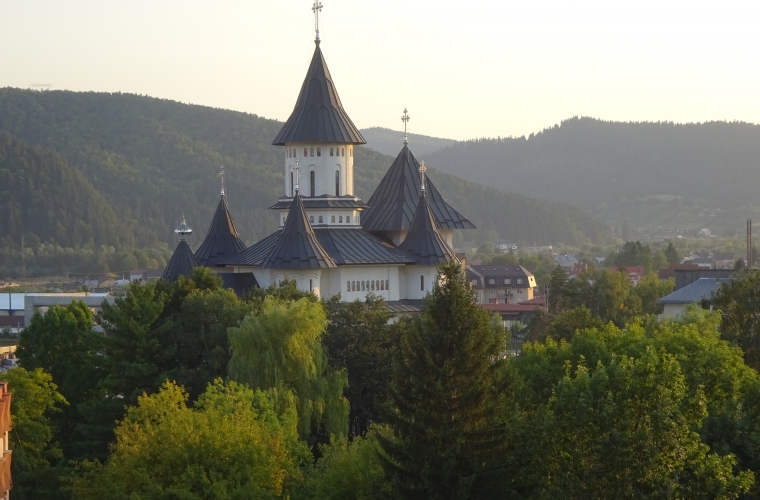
{"x":464,"y":69}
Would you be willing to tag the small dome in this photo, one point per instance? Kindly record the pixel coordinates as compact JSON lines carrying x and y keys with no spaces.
{"x":183,"y":229}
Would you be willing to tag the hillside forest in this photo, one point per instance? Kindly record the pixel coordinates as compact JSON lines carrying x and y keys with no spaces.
{"x":129,"y":166}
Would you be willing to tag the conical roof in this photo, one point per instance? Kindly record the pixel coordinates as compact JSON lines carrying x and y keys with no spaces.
{"x":319,"y":115}
{"x":298,"y":247}
{"x":394,"y":202}
{"x":423,"y":242}
{"x":222,"y":241}
{"x":181,"y":264}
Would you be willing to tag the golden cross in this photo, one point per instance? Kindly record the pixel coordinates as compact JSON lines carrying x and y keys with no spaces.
{"x":423,"y":169}
{"x":316,"y":9}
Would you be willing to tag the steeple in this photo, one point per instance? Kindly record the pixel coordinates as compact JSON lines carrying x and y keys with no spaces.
{"x":318,"y":116}
{"x":222,"y":240}
{"x":423,"y":242}
{"x":394,"y":202}
{"x":298,"y":247}
{"x":182,"y":261}
{"x":405,"y":119}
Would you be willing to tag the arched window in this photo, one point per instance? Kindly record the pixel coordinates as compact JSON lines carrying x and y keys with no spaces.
{"x":331,"y":151}
{"x":353,"y":286}
{"x":363,"y":286}
{"x":348,"y":219}
{"x":319,"y":151}
{"x":305,"y":152}
{"x":422,"y":283}
{"x":337,"y":183}
{"x":311,"y":219}
{"x":386,"y":285}
{"x":320,"y":219}
{"x":382,"y":288}
{"x":311,"y":151}
{"x":340,"y":219}
{"x":312,"y":184}
{"x":343,"y":151}
{"x":332,"y":219}
{"x":348,"y":286}
{"x":372,"y":283}
{"x":311,"y":285}
{"x":291,"y":184}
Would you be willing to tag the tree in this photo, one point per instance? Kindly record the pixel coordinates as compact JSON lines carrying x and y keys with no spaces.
{"x":739,"y":301}
{"x":35,"y":400}
{"x":607,"y":293}
{"x":443,"y":392}
{"x":564,"y":325}
{"x":634,"y":253}
{"x":232,"y":444}
{"x":360,"y":340}
{"x":672,"y":254}
{"x":650,"y":289}
{"x":560,"y":296}
{"x":280,"y":350}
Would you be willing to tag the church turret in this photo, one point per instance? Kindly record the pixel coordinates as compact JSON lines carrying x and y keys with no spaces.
{"x":222,"y":241}
{"x":182,"y":261}
{"x":320,"y":134}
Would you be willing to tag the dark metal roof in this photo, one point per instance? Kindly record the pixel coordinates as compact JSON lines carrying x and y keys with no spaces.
{"x":392,"y":205}
{"x":498,"y":272}
{"x":356,"y":246}
{"x":222,"y":241}
{"x":298,"y":247}
{"x":319,"y":115}
{"x":405,"y":306}
{"x":423,"y":242}
{"x":256,"y":254}
{"x":323,"y":201}
{"x":702,"y":289}
{"x":240,"y":283}
{"x":181,"y":264}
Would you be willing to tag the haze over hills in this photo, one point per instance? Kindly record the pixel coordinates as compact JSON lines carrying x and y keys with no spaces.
{"x":651,"y":174}
{"x":389,"y":141}
{"x":149,"y":161}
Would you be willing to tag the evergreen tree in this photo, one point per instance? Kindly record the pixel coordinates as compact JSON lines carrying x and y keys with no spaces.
{"x":672,"y":254}
{"x":443,"y":395}
{"x":559,"y":297}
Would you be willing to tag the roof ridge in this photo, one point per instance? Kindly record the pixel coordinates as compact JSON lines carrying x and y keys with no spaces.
{"x":423,"y":241}
{"x":222,"y":239}
{"x":181,"y":262}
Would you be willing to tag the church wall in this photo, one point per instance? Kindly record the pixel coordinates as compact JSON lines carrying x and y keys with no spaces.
{"x":412,"y":289}
{"x":306,"y":279}
{"x":353,"y":276}
{"x":324,"y":168}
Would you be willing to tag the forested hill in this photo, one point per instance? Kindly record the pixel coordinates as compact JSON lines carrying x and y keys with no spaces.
{"x":152,"y":160}
{"x":595,"y":164}
{"x":389,"y":141}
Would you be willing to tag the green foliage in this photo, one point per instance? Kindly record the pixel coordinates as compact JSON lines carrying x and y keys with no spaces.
{"x":608,"y":294}
{"x":231,"y":445}
{"x":443,"y":393}
{"x":650,"y":289}
{"x":35,"y":399}
{"x":359,"y":339}
{"x":671,"y":254}
{"x":634,"y":253}
{"x":739,"y":301}
{"x":280,"y":350}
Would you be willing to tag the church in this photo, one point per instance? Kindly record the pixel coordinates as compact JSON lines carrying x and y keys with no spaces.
{"x":328,"y":240}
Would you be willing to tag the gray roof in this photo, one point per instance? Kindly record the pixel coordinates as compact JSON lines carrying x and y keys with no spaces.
{"x":319,"y":115}
{"x":405,"y":306}
{"x":323,"y":201}
{"x":222,"y":240}
{"x":298,"y":247}
{"x":256,"y":254}
{"x":240,"y":283}
{"x":423,"y":242}
{"x":702,"y":289}
{"x":181,"y":264}
{"x":392,"y":205}
{"x":498,"y":273}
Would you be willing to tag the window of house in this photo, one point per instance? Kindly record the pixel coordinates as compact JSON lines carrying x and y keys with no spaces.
{"x":332,"y":219}
{"x":312,"y":184}
{"x":353,"y":286}
{"x":422,"y":283}
{"x":381,"y":285}
{"x":507,"y":281}
{"x":348,"y":286}
{"x":491,"y":282}
{"x":343,"y":151}
{"x":340,"y":219}
{"x":474,"y":282}
{"x":372,"y":285}
{"x":331,"y":151}
{"x":337,"y":183}
{"x":386,"y":285}
{"x":519,"y":281}
{"x":311,"y":219}
{"x":320,"y":219}
{"x":305,"y":152}
{"x":319,"y":151}
{"x":311,"y":152}
{"x":348,"y":219}
{"x":363,"y":286}
{"x":519,"y":290}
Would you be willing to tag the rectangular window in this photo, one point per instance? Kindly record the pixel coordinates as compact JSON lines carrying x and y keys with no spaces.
{"x":519,"y":281}
{"x":507,"y":281}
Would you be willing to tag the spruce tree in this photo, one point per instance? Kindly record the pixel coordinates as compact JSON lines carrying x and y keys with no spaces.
{"x":443,"y":394}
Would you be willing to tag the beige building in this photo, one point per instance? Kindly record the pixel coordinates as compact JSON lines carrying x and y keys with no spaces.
{"x":500,"y":284}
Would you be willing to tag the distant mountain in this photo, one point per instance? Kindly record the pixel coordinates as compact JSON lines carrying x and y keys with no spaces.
{"x":148,"y":161}
{"x":390,"y":141}
{"x":621,"y":170}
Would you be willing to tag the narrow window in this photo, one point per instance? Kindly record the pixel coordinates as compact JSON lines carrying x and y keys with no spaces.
{"x":305,"y":152}
{"x":343,"y":151}
{"x":348,"y":219}
{"x":311,"y":285}
{"x":373,"y":285}
{"x":386,"y":285}
{"x":319,"y":151}
{"x":382,"y":287}
{"x":311,"y":219}
{"x":348,"y":286}
{"x":363,"y":286}
{"x":340,"y":219}
{"x":320,"y":219}
{"x":332,"y":219}
{"x":311,"y":151}
{"x":337,"y":183}
{"x":353,"y":286}
{"x":422,"y":283}
{"x":331,"y":152}
{"x":291,"y":184}
{"x":313,"y":182}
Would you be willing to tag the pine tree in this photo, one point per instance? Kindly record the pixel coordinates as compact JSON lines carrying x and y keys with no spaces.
{"x":558,"y":298}
{"x":672,"y":254}
{"x":443,"y":393}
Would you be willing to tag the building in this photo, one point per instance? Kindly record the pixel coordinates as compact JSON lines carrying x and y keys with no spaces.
{"x":566,"y":261}
{"x":634,"y":274}
{"x":500,"y":284}
{"x":675,"y":304}
{"x":724,"y":260}
{"x":17,"y":309}
{"x":328,"y":240}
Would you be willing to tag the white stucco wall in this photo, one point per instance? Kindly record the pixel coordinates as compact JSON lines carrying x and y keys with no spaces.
{"x":324,"y":168}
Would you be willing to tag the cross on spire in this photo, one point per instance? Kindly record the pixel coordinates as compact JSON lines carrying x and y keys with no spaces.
{"x":423,"y":169}
{"x":316,"y":9}
{"x":222,"y":174}
{"x":297,"y":170}
{"x":405,"y":119}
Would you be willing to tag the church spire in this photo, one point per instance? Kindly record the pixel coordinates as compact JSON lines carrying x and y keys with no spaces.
{"x":222,"y":240}
{"x":221,"y":175}
{"x":183,"y":261}
{"x":422,"y":169}
{"x":405,"y":119}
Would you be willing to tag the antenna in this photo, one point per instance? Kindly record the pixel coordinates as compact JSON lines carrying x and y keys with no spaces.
{"x":405,"y":119}
{"x":316,"y":9}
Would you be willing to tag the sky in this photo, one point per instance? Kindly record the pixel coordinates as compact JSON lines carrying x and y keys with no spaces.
{"x":481,"y":68}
